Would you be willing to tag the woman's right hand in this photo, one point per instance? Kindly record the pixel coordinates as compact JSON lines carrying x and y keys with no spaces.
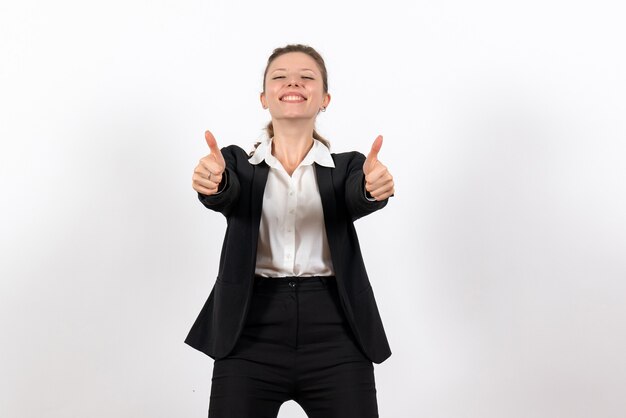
{"x":208,"y":173}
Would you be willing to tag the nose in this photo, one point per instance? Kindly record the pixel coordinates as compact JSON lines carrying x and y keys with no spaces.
{"x":293,"y":81}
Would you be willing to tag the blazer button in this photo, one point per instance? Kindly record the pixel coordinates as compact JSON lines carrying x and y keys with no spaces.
{"x":292,"y":284}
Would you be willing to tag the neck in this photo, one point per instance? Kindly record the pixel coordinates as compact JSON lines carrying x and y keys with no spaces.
{"x":292,"y":141}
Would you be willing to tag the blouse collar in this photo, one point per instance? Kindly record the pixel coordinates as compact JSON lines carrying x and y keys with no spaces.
{"x":318,"y":153}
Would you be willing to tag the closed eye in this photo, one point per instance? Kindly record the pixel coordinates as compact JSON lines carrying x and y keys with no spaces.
{"x":282,"y":76}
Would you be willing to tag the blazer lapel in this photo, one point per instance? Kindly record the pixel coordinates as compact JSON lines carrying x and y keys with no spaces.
{"x":259,"y":179}
{"x":329,"y":205}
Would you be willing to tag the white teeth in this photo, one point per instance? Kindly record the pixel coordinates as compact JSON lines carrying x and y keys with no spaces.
{"x":292,"y":99}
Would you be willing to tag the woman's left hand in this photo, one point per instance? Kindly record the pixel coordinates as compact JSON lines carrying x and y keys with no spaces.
{"x":378,"y":180}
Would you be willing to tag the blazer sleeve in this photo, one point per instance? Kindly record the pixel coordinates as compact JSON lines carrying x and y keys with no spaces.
{"x":228,"y":191}
{"x":357,"y":200}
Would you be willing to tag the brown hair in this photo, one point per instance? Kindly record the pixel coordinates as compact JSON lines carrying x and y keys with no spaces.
{"x":269,"y":128}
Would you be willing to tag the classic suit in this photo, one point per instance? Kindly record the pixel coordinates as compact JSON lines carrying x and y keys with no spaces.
{"x":342,"y":193}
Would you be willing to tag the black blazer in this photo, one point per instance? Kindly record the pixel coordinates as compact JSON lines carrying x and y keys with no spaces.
{"x":342,"y":191}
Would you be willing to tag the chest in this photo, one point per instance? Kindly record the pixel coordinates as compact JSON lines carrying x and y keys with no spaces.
{"x":292,"y":198}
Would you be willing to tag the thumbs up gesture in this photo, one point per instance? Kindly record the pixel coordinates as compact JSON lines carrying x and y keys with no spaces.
{"x":378,"y":180}
{"x":208,"y":173}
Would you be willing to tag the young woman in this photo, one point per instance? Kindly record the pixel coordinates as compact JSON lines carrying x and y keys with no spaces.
{"x":292,"y":314}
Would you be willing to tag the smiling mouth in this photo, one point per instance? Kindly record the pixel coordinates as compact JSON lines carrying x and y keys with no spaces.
{"x":293,"y":99}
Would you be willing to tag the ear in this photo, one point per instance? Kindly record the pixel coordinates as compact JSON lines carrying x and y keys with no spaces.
{"x":326,"y":100}
{"x":263,"y":101}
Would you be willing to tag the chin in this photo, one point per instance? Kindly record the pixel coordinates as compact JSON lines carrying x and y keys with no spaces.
{"x":295,"y":116}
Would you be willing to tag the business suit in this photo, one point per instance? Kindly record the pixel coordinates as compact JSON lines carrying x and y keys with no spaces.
{"x":220,"y":322}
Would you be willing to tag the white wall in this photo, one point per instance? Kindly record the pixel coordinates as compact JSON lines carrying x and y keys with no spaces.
{"x":504,"y":130}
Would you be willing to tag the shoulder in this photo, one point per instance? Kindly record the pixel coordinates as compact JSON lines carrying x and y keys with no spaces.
{"x":345,"y":159}
{"x":235,"y":154}
{"x":234,"y":150}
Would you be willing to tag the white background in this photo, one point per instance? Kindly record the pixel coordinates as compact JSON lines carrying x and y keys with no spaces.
{"x":499,"y":265}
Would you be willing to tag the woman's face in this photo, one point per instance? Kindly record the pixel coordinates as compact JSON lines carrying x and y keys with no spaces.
{"x":294,"y":88}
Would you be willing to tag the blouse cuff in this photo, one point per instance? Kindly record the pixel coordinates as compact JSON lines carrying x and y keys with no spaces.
{"x":368,"y":196}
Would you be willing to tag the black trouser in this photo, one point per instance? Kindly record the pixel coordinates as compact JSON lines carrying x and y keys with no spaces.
{"x":296,"y":345}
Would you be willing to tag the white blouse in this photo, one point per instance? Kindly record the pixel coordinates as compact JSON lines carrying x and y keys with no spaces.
{"x":292,"y":234}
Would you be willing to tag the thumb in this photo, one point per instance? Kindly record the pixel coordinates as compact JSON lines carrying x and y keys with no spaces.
{"x":212,"y":143}
{"x":372,"y":157}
